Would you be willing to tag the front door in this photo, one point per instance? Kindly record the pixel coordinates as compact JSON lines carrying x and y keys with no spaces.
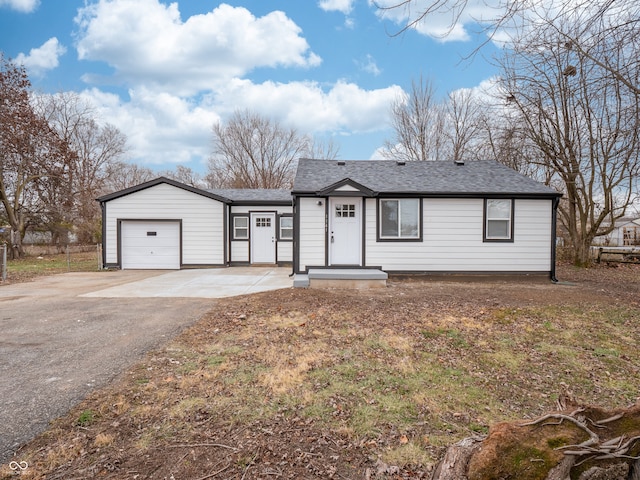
{"x":345,"y":232}
{"x":263,"y":237}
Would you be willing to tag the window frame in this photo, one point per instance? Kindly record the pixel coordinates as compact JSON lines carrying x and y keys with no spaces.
{"x":486,"y":220}
{"x":381,"y":238}
{"x":280,"y":237}
{"x":234,"y":228}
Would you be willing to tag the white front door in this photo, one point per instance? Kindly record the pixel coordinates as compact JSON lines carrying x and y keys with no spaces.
{"x":345,"y":232}
{"x":263,"y":237}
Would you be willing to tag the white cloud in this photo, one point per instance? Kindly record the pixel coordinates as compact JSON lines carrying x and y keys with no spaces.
{"x":148,"y":42}
{"x":369,"y":65}
{"x":161,"y":129}
{"x":26,"y":6}
{"x":164,"y":129}
{"x":42,"y":58}
{"x":345,"y":107}
{"x":344,"y":6}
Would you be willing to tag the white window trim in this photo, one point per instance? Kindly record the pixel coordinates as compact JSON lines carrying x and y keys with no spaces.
{"x":508,"y":219}
{"x":280,"y":236}
{"x":236,"y":228}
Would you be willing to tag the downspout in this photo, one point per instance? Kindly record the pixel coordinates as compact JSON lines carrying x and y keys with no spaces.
{"x":227,"y":230}
{"x":554,"y":221}
{"x":296,"y":222}
{"x":103,"y":208}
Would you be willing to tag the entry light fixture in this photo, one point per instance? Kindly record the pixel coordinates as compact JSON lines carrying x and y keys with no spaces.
{"x":319,"y":203}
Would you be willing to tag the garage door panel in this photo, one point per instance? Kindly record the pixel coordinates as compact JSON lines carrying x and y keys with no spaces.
{"x":150,"y":245}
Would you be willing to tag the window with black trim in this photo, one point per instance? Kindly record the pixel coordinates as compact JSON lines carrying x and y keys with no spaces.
{"x":399,"y":219}
{"x":498,"y":220}
{"x":346,"y":210}
{"x":240,"y":228}
{"x":286,"y":228}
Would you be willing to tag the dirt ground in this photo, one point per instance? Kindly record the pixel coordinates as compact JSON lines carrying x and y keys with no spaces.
{"x":178,"y":415}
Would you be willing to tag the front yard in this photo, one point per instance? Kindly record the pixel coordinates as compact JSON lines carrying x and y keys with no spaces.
{"x":353,"y":384}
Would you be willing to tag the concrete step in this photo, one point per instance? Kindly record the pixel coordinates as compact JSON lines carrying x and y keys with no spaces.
{"x":341,"y":278}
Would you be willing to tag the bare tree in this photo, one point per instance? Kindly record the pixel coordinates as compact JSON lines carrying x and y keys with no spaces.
{"x":418,"y":123}
{"x":584,"y":123}
{"x":83,"y":177}
{"x":184,"y":175}
{"x":325,"y":150}
{"x":598,"y":19}
{"x":462,"y":124}
{"x":502,"y":137}
{"x":252,"y":151}
{"x":30,"y":153}
{"x":121,"y":175}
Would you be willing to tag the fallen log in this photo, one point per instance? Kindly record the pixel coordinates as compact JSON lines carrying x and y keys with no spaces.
{"x":588,"y":443}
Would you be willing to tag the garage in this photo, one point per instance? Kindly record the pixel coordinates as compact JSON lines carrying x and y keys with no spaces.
{"x":150,"y":244}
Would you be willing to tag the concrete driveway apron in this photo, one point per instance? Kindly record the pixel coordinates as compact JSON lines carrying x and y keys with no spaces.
{"x":63,"y":336}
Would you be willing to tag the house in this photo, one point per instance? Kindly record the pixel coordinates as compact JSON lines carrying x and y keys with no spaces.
{"x":432,"y":217}
{"x":365,"y":216}
{"x":626,"y":233}
{"x":164,"y":224}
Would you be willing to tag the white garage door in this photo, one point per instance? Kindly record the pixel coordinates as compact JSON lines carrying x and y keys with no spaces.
{"x":150,"y":245}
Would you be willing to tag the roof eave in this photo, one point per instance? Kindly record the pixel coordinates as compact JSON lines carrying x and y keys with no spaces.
{"x":159,"y":181}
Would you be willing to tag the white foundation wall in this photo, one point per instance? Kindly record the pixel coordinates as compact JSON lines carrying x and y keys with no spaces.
{"x":202,"y":221}
{"x":452,"y":240}
{"x":312,"y":232}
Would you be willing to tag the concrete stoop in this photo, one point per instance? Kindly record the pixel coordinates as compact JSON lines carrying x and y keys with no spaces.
{"x":341,"y":278}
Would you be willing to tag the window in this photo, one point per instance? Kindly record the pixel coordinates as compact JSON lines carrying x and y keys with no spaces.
{"x":400,"y":219}
{"x":263,"y":221}
{"x":498,"y":225}
{"x":345,"y":211}
{"x":240,"y":228}
{"x":286,"y":228}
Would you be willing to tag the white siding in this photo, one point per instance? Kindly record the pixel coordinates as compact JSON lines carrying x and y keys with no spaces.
{"x":312,"y":232}
{"x":285,"y":251}
{"x":240,"y":249}
{"x":202,"y":221}
{"x":452,"y":240}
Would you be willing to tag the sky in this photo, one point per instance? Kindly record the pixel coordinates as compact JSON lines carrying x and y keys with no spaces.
{"x":165,"y":72}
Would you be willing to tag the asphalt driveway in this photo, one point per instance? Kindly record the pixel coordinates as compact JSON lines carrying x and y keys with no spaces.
{"x":65,"y":335}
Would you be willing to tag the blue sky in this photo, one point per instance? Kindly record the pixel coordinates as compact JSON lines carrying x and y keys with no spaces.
{"x":164,"y":72}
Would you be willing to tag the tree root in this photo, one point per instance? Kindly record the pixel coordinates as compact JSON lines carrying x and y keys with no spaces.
{"x":593,"y":448}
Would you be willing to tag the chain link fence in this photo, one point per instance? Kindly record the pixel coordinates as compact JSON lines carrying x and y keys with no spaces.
{"x":3,"y":262}
{"x":47,"y":260}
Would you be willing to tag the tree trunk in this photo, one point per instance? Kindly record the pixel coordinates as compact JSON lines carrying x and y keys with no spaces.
{"x":16,"y":250}
{"x":454,"y":464}
{"x":582,"y":253}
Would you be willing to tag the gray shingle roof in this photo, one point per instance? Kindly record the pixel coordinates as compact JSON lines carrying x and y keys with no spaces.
{"x":256,"y":195}
{"x":437,"y":178}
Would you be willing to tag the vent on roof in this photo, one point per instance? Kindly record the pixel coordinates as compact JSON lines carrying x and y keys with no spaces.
{"x":401,"y":163}
{"x":341,"y":163}
{"x":459,"y":162}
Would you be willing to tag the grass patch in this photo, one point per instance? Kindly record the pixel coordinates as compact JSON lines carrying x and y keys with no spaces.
{"x":86,"y":418}
{"x":29,"y":267}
